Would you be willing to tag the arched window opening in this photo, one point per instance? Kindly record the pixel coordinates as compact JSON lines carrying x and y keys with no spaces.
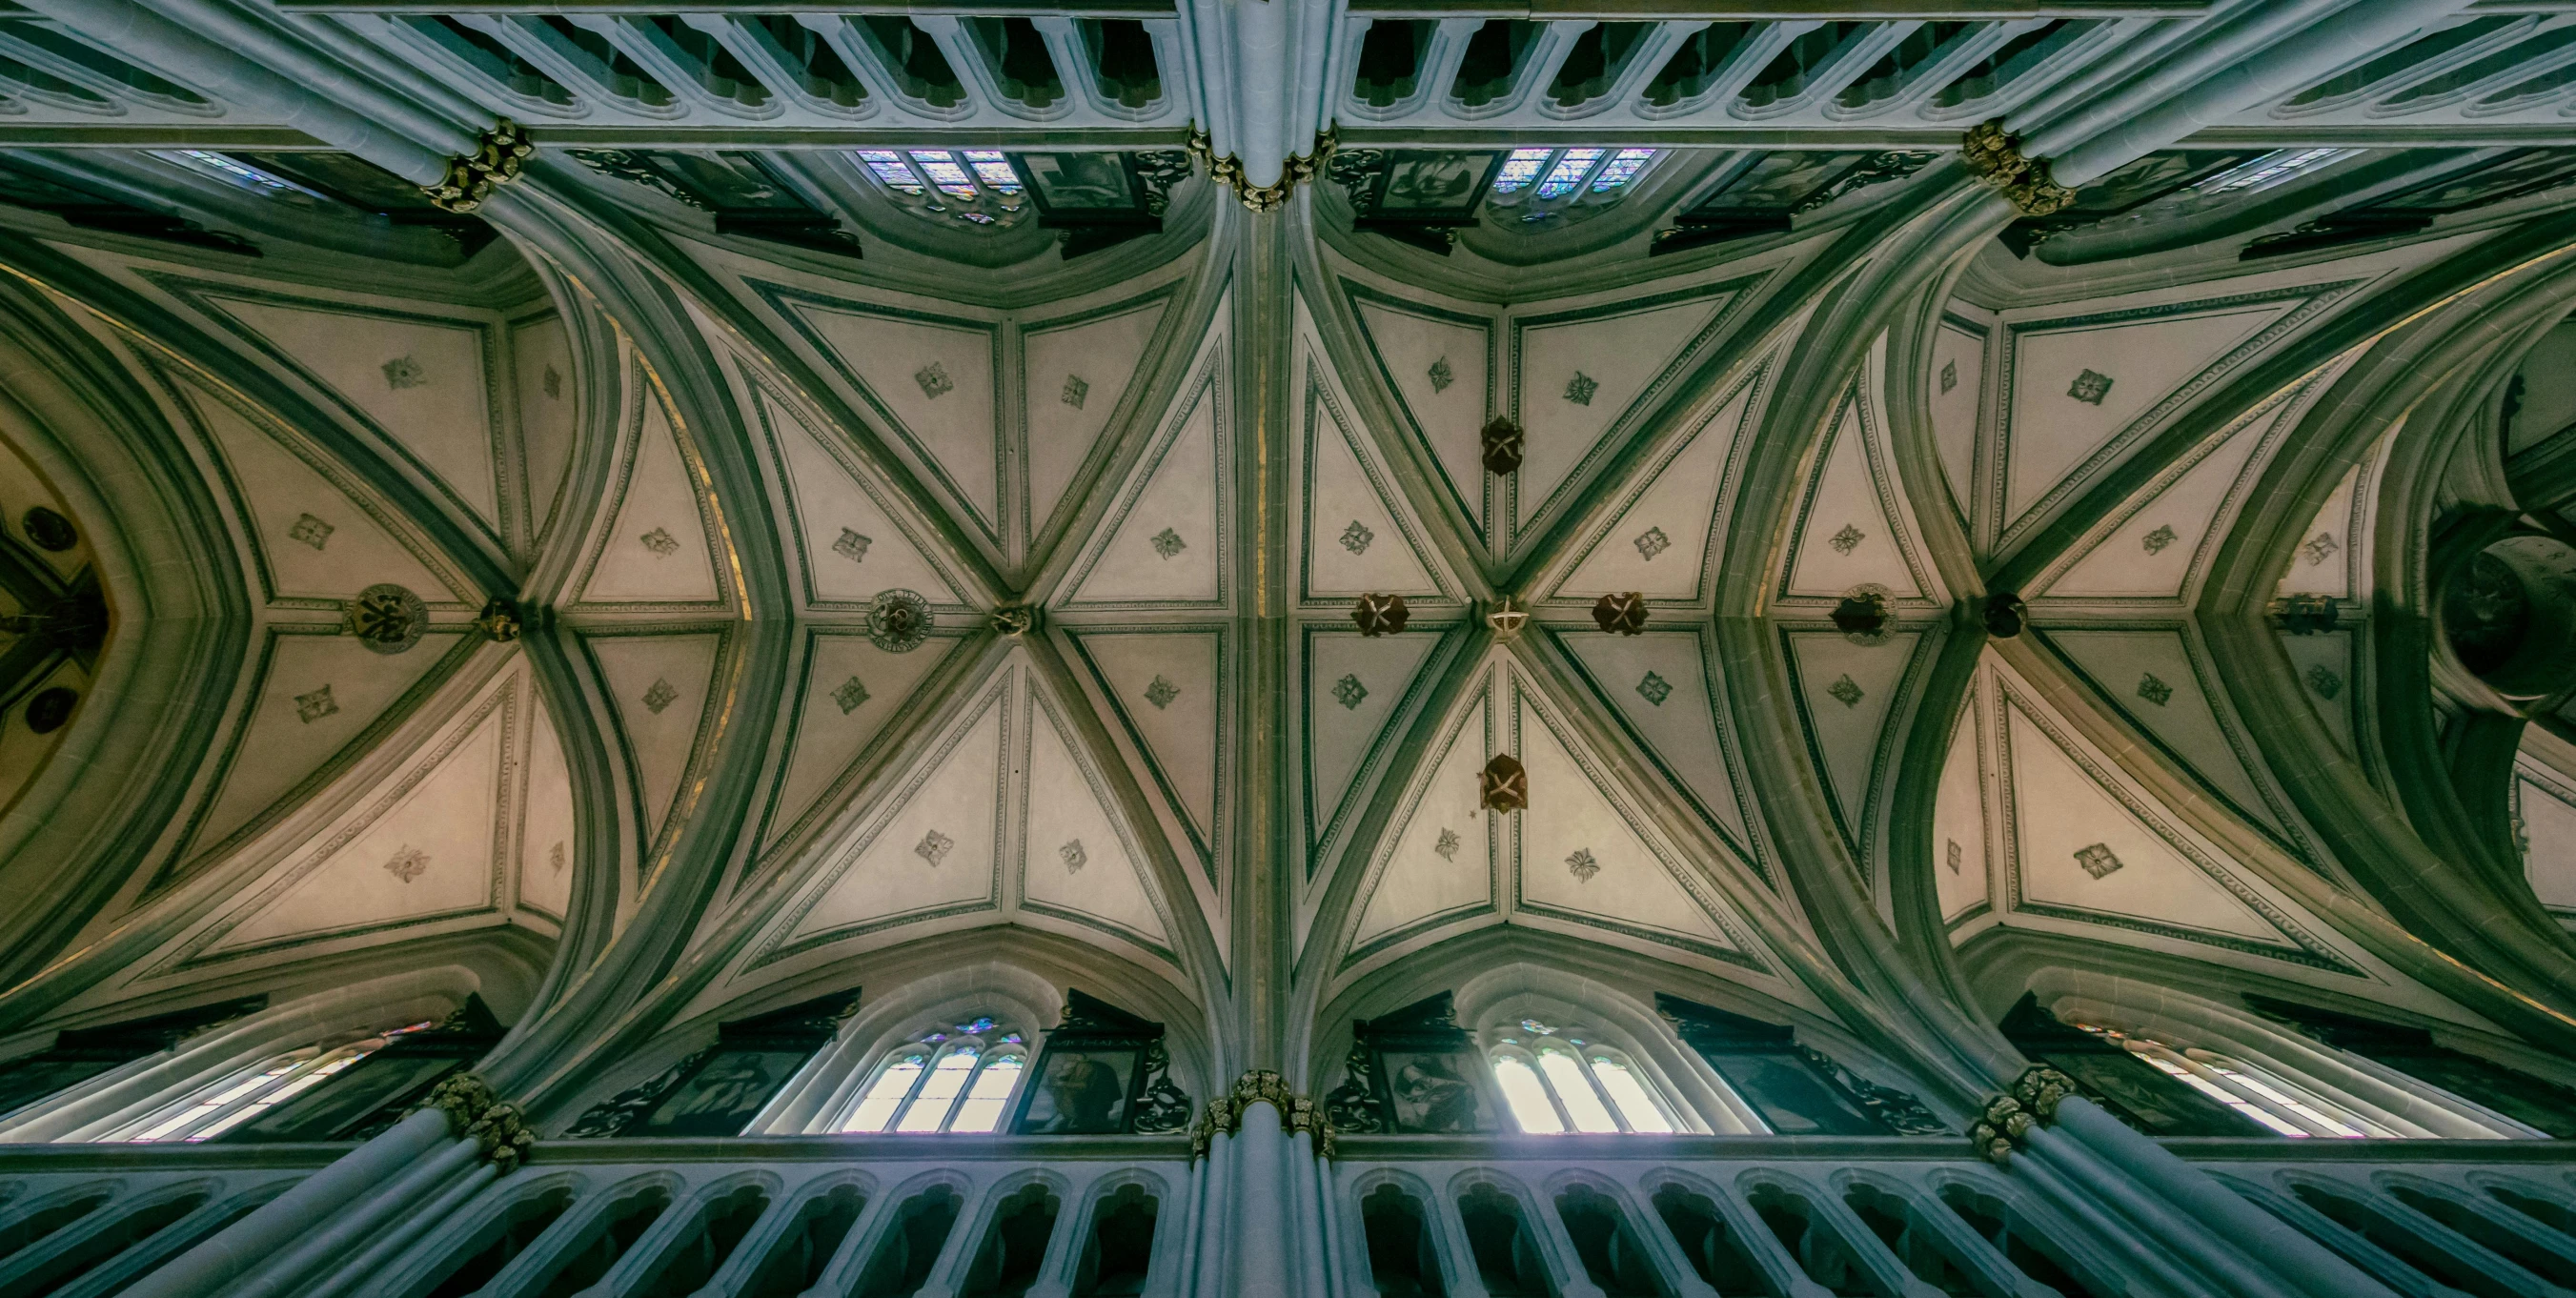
{"x":960,"y":1079}
{"x":1538,"y":185}
{"x":79,"y":1054}
{"x":2276,"y":1104}
{"x":216,"y":1109}
{"x":1556,"y":1080}
{"x":977,"y":186}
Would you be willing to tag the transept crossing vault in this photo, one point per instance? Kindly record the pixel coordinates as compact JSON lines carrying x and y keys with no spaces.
{"x":1287,"y":646}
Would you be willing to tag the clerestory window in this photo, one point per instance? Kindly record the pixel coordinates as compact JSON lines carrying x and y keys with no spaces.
{"x":960,"y":1080}
{"x":977,"y":186}
{"x":1543,"y":184}
{"x":213,"y":1110}
{"x":1555,"y":1080}
{"x":2265,"y":1098}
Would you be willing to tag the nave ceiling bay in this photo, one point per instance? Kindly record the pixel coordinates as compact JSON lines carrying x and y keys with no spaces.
{"x":660,"y":614}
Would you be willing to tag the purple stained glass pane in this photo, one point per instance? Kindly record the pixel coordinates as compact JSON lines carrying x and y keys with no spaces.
{"x":1567,"y":175}
{"x":1520,"y":169}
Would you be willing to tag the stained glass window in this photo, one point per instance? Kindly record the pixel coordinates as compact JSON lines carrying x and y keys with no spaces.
{"x":1568,"y":173}
{"x":958,"y":1080}
{"x":977,"y":186}
{"x":1621,"y":168}
{"x":1520,"y":169}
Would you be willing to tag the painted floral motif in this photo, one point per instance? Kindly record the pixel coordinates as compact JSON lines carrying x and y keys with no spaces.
{"x":554,"y":384}
{"x":1655,"y":688}
{"x":1580,"y":388}
{"x":1949,"y":376}
{"x":1073,"y":855}
{"x":555,"y":857}
{"x":1447,"y":846}
{"x":659,"y":696}
{"x":408,"y":864}
{"x":1168,"y":543}
{"x":2156,"y":541}
{"x":404,"y":372}
{"x":2097,"y":859}
{"x":2319,"y":548}
{"x":1953,"y":855}
{"x":312,"y":707}
{"x":1076,"y":391}
{"x":934,"y":380}
{"x":1847,"y":540}
{"x":310,"y":530}
{"x":1160,"y":692}
{"x":851,"y":546}
{"x":850,"y":695}
{"x":1441,"y":375}
{"x":1843,"y":689}
{"x":934,"y":847}
{"x":2324,"y":681}
{"x":1356,"y":537}
{"x":2153,"y":690}
{"x":2090,"y":387}
{"x":1582,"y":865}
{"x":1652,"y":542}
{"x":1349,"y":691}
{"x":660,"y":542}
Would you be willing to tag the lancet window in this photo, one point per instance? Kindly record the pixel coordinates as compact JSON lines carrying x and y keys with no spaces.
{"x":2284,"y":1108}
{"x":213,"y":1110}
{"x":1555,"y":1080}
{"x":1539,"y":184}
{"x":961,"y":1078}
{"x":978,"y":186}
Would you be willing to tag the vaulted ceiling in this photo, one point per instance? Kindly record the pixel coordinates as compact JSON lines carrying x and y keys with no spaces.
{"x":769,"y":514}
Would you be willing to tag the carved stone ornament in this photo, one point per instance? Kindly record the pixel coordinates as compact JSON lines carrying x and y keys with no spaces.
{"x":497,"y":1128}
{"x":386,"y":618}
{"x":898,"y":621}
{"x":2000,"y":1129}
{"x":1296,"y":1112}
{"x":1622,"y":613}
{"x":1995,"y":154}
{"x":2005,"y":1124}
{"x":472,"y":177}
{"x":1015,"y":619}
{"x":2005,"y":615}
{"x":1507,"y":617}
{"x":1504,"y":443}
{"x":1503,"y":785}
{"x":1228,"y":171}
{"x":1379,"y":615}
{"x":1865,"y":615}
{"x":2306,"y":614}
{"x":499,"y":620}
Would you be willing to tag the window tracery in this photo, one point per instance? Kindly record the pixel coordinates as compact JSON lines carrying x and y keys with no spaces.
{"x":1555,"y":1080}
{"x":977,"y":186}
{"x":212,"y":1110}
{"x":961,"y":1079}
{"x":2278,"y":1105}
